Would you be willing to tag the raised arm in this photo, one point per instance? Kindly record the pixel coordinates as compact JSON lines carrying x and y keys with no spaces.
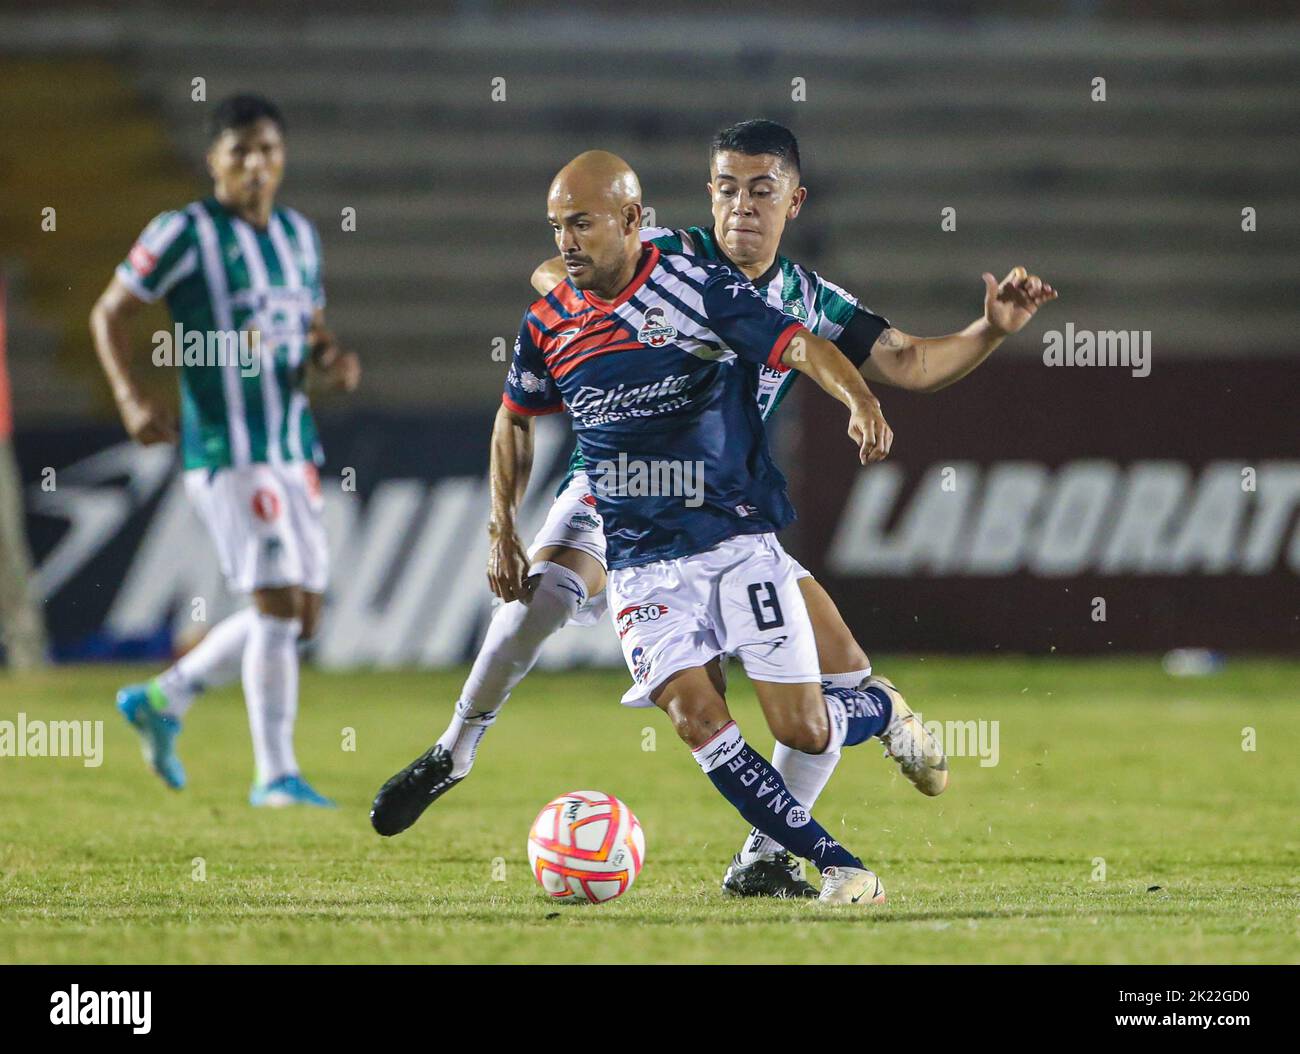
{"x":926,"y":364}
{"x":110,"y":319}
{"x":511,"y":463}
{"x":825,"y":363}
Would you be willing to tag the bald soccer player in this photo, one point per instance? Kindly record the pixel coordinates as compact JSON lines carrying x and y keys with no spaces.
{"x":755,"y":188}
{"x":646,"y":350}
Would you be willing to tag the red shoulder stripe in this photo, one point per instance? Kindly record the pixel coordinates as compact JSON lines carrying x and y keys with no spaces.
{"x":605,"y":349}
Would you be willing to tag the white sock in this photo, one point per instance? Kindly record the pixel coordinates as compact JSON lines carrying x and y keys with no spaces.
{"x":214,"y":661}
{"x":271,"y":693}
{"x":805,"y":774}
{"x":513,"y":643}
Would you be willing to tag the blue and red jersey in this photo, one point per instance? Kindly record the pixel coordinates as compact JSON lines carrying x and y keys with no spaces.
{"x":654,"y":378}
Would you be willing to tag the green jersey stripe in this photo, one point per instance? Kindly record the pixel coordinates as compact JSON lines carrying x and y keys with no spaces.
{"x":238,"y":449}
{"x":292,"y":276}
{"x":265,"y":406}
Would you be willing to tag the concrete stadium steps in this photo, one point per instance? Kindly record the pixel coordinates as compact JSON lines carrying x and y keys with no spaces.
{"x":73,"y":137}
{"x":1133,"y":206}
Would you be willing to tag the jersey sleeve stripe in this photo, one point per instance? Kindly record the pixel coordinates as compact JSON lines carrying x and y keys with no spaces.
{"x":159,"y":236}
{"x":185,"y":266}
{"x":526,"y":411}
{"x":138,"y":289}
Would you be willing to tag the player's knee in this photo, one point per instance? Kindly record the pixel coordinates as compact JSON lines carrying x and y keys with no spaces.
{"x":696,"y":717}
{"x":283,"y":602}
{"x":806,"y":730}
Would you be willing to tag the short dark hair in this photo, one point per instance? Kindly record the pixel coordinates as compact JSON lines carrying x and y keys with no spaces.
{"x":759,"y":137}
{"x":240,"y":111}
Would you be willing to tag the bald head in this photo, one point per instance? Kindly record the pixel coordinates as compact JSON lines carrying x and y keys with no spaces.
{"x":596,"y":178}
{"x":594,"y":207}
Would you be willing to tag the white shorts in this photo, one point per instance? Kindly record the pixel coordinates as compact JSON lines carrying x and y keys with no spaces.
{"x":739,"y":598}
{"x":266,"y":523}
{"x":574,"y":523}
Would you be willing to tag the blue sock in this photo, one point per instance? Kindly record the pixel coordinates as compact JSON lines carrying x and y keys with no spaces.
{"x":747,"y":780}
{"x":856,"y":714}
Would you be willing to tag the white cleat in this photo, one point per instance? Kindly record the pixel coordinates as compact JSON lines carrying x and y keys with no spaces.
{"x":918,"y":753}
{"x":851,"y":885}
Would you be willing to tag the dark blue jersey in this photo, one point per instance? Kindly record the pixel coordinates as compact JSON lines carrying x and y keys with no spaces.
{"x":667,"y":419}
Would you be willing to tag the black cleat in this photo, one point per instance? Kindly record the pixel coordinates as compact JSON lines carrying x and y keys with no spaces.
{"x":776,"y":876}
{"x":402,"y":800}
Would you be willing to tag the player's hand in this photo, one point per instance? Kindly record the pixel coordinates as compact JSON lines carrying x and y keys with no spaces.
{"x":507,"y":569}
{"x":1011,"y":303}
{"x":871,"y":432}
{"x":341,"y":370}
{"x":145,"y":421}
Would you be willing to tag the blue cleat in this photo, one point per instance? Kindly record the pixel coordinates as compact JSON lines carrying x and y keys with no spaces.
{"x":288,"y":790}
{"x":141,"y":705}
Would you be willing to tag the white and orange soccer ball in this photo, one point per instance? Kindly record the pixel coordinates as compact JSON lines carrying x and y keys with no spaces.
{"x":586,"y":846}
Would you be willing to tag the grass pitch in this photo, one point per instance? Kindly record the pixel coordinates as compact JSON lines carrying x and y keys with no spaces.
{"x":1100,"y":763}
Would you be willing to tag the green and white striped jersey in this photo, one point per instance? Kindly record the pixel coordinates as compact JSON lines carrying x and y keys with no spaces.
{"x":226,"y":280}
{"x":823,"y":307}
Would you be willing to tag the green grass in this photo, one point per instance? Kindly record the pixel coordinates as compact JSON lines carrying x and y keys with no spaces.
{"x":1097,"y":759}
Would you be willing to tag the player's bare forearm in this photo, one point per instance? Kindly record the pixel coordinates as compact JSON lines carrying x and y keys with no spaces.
{"x":834,"y":374}
{"x":926,"y":364}
{"x":109,"y":321}
{"x":511,"y":465}
{"x":144,"y":420}
{"x":549,"y":274}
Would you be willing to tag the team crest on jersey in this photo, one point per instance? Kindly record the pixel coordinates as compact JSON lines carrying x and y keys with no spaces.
{"x":656,"y":331}
{"x":584,"y":521}
{"x":795,"y":309}
{"x":636,"y":614}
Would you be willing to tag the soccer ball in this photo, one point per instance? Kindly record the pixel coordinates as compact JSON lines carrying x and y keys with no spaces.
{"x":586,"y":846}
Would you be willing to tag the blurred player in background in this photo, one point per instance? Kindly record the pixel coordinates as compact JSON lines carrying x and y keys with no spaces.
{"x":755,"y":188}
{"x":242,"y":279}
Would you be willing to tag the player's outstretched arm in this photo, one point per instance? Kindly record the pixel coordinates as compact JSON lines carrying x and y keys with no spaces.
{"x":926,"y":364}
{"x":110,"y":319}
{"x":549,"y":274}
{"x":511,"y":463}
{"x":339,"y":370}
{"x":825,"y":363}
